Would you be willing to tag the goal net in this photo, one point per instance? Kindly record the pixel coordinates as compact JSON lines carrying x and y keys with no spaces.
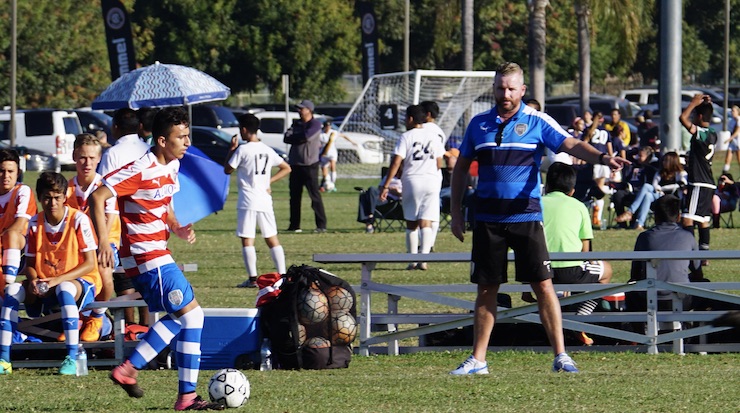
{"x":377,"y":119}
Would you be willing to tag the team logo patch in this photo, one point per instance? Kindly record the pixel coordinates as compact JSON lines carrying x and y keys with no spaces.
{"x":175,"y":297}
{"x":520,"y":128}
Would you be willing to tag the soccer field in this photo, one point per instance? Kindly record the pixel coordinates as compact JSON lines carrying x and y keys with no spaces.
{"x":519,"y":381}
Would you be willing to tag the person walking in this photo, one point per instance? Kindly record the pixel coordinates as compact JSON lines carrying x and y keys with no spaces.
{"x":304,"y":137}
{"x":508,"y":141}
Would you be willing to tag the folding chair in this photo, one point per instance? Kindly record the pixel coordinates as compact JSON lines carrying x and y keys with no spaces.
{"x":389,"y":217}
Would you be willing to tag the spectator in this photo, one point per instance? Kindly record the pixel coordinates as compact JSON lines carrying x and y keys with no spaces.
{"x":626,"y":135}
{"x":369,"y":200}
{"x":421,"y":153}
{"x":139,"y":187}
{"x":641,"y":172}
{"x":61,"y":255}
{"x":669,"y":180}
{"x":146,"y":118}
{"x":534,"y":104}
{"x":329,"y":155}
{"x":647,"y":131}
{"x":588,"y":119}
{"x":18,"y":204}
{"x":253,"y":163}
{"x":87,"y":151}
{"x":507,"y":141}
{"x":698,"y":205}
{"x":128,"y":146}
{"x":304,"y":137}
{"x":666,"y":235}
{"x":725,"y":197}
{"x":732,"y":142}
{"x":568,"y":229}
{"x":102,"y":138}
{"x":602,"y":141}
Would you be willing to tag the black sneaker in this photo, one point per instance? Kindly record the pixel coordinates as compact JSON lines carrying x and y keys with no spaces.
{"x":250,"y":283}
{"x":319,"y":230}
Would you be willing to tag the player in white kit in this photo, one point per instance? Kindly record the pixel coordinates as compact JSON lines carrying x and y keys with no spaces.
{"x":421,"y":153}
{"x":253,"y":163}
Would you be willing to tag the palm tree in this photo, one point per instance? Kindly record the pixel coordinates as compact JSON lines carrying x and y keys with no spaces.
{"x":537,"y":36}
{"x":625,"y":17}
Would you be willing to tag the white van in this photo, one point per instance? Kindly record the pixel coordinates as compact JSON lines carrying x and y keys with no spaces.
{"x":47,"y":130}
{"x":649,"y":96}
{"x":369,"y":148}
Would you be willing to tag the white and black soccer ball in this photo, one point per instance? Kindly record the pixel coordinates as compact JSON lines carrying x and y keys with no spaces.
{"x":229,"y":387}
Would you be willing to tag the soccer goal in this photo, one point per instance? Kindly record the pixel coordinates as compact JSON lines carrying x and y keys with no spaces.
{"x":380,"y":111}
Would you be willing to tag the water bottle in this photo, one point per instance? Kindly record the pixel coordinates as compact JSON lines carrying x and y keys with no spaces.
{"x":81,"y":361}
{"x":42,"y":287}
{"x":265,"y":356}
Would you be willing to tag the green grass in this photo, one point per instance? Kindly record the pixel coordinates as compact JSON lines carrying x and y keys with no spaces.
{"x":519,"y":381}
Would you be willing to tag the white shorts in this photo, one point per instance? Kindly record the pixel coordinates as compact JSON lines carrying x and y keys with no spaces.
{"x":326,"y":159}
{"x":420,"y":200}
{"x":602,"y":171}
{"x":247,"y":221}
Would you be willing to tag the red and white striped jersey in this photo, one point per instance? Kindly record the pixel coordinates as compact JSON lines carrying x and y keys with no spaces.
{"x":144,"y":189}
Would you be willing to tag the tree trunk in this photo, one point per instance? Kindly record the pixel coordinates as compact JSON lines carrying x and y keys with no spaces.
{"x":467,"y":34}
{"x":584,"y":54}
{"x":537,"y":39}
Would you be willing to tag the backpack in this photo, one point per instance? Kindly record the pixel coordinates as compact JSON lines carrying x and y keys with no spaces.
{"x":311,"y":323}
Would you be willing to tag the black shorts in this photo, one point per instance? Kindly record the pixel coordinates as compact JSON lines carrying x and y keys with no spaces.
{"x":698,"y":203}
{"x":121,"y":283}
{"x":582,"y":274}
{"x":491,"y":243}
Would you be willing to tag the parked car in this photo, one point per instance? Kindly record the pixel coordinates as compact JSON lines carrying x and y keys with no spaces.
{"x":650,"y":95}
{"x":215,"y":116}
{"x":92,"y":121}
{"x":215,"y":143}
{"x":716,"y":121}
{"x":563,"y":113}
{"x":369,"y":148}
{"x":48,"y":130}
{"x":34,"y":159}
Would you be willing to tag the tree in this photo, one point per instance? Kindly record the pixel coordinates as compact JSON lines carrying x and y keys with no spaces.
{"x":537,"y":47}
{"x":62,"y":59}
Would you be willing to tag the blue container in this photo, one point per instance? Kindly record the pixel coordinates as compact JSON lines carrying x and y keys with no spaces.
{"x":231,"y":338}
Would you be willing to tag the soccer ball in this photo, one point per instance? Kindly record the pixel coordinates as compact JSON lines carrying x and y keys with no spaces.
{"x":313,"y":306}
{"x":301,"y":334}
{"x":229,"y":387}
{"x":318,"y":342}
{"x":343,"y":329}
{"x":340,"y":300}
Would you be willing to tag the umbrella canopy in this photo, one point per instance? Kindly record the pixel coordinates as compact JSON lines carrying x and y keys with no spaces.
{"x":161,"y":85}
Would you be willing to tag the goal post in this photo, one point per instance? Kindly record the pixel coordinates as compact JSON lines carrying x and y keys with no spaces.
{"x":380,"y":110}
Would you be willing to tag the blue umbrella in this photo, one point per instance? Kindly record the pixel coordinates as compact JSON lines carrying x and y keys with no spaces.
{"x":203,"y":187}
{"x":161,"y":85}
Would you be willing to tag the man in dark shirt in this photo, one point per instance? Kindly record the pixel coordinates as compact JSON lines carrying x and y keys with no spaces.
{"x":304,"y":138}
{"x":666,"y":235}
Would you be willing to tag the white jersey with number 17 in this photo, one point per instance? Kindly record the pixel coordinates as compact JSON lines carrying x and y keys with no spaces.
{"x":253,"y":162}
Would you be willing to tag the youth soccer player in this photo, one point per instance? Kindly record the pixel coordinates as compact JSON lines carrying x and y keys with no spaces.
{"x":145,"y":189}
{"x":87,"y":152}
{"x":17,"y":206}
{"x":253,"y":163}
{"x":60,"y":253}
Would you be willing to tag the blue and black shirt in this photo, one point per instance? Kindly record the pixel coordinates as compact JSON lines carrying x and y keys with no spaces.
{"x":509,"y":154}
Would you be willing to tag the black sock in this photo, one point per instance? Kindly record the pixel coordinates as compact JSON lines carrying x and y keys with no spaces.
{"x":703,"y":238}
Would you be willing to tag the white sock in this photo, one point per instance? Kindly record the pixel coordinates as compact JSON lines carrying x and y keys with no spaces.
{"x":427,"y":239}
{"x":278,"y":257}
{"x":333,"y":176}
{"x":726,"y":168}
{"x":412,"y":241}
{"x":249,"y":254}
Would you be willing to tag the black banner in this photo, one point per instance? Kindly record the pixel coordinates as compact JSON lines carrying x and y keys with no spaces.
{"x":118,"y":38}
{"x":369,"y":39}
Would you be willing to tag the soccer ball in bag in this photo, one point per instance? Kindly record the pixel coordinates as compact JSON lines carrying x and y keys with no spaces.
{"x":313,"y":307}
{"x":344,"y":329}
{"x":229,"y":387}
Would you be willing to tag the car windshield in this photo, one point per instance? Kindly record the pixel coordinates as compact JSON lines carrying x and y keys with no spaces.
{"x":226,"y":117}
{"x":221,"y":135}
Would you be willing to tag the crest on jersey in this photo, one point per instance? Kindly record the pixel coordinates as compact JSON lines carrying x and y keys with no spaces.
{"x":520,"y":128}
{"x":175,"y":297}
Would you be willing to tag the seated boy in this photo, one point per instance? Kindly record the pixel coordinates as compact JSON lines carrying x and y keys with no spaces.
{"x":568,"y":229}
{"x":17,"y":206}
{"x":61,"y":255}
